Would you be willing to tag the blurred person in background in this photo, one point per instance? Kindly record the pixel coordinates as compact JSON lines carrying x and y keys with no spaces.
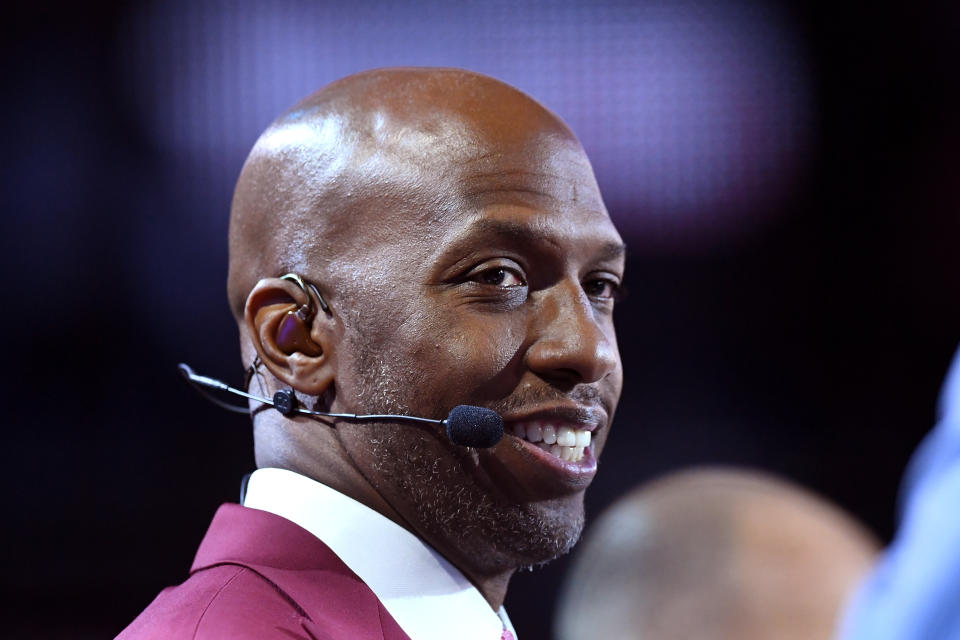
{"x":406,"y":241}
{"x":914,"y":592}
{"x":714,"y":554}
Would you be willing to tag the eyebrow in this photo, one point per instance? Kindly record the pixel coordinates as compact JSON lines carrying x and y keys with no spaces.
{"x":515,"y":231}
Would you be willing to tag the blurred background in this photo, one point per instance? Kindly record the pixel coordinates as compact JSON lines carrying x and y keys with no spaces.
{"x":783,"y":174}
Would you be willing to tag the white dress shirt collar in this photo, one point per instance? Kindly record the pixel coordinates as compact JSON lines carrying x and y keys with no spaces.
{"x":428,"y":597}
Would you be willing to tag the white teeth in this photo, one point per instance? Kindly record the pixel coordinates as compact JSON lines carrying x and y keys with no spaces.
{"x":534,"y":432}
{"x":563,"y":442}
{"x":583,"y":438}
{"x":570,"y":454}
{"x":549,"y":434}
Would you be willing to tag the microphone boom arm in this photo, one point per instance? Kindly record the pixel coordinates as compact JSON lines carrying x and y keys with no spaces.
{"x":198,"y":382}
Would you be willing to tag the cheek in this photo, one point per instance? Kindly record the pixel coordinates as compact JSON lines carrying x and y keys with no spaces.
{"x":462,"y":353}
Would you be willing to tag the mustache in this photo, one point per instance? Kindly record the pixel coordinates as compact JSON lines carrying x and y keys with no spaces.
{"x":588,"y":396}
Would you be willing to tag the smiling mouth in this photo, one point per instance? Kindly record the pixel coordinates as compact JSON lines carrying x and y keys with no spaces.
{"x":562,"y":440}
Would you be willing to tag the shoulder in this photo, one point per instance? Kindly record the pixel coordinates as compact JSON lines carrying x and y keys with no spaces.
{"x":225,"y":601}
{"x":257,"y":575}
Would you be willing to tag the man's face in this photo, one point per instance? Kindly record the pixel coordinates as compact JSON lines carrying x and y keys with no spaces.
{"x":490,"y":283}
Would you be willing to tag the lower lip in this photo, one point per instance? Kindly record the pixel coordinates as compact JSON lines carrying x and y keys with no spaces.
{"x":576,"y":475}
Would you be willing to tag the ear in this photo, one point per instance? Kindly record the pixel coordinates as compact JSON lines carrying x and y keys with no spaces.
{"x":296,"y":348}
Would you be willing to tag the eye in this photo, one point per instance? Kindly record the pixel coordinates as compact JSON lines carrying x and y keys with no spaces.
{"x":498,"y":276}
{"x":496,"y":284}
{"x":602,"y":288}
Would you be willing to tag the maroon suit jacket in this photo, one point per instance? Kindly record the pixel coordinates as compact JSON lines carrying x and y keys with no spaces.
{"x":257,"y":575}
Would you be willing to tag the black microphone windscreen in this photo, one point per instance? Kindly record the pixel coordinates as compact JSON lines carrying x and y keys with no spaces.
{"x":470,"y":426}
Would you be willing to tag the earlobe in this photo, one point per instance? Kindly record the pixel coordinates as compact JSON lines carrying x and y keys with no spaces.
{"x":291,"y":341}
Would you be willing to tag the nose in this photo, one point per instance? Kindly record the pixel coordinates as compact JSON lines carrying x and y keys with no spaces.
{"x":572,"y":342}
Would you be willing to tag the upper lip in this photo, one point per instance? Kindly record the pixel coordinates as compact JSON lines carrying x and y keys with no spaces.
{"x":586,"y":417}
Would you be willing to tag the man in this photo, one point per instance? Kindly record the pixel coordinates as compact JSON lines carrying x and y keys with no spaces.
{"x":446,"y":244}
{"x":715,"y":554}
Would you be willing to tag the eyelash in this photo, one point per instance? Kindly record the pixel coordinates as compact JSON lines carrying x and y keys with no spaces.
{"x":614,"y":288}
{"x":498,"y":270}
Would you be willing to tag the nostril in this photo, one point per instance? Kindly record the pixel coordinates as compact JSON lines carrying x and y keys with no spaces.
{"x":562,"y":378}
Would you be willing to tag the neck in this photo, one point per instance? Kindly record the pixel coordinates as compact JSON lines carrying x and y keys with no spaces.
{"x":319,"y":457}
{"x":322,"y":457}
{"x":492,"y":588}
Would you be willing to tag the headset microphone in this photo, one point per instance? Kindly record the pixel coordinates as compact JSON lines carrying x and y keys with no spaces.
{"x":466,"y":425}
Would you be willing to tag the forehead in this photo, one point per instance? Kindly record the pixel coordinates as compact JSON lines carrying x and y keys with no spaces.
{"x":545,"y":165}
{"x":522,"y":221}
{"x":411,"y":189}
{"x":540,"y":191}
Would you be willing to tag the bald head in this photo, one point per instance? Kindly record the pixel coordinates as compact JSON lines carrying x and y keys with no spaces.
{"x":457,"y":233}
{"x":341,"y":172}
{"x":715,"y":554}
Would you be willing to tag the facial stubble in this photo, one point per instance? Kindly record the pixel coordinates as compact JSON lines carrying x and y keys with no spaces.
{"x":445,"y":495}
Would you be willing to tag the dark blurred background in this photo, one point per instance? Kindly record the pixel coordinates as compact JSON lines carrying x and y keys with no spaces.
{"x":783,"y":174}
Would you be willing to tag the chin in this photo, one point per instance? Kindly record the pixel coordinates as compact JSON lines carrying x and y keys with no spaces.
{"x":504,"y":536}
{"x":553,"y":536}
{"x":459,"y":515}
